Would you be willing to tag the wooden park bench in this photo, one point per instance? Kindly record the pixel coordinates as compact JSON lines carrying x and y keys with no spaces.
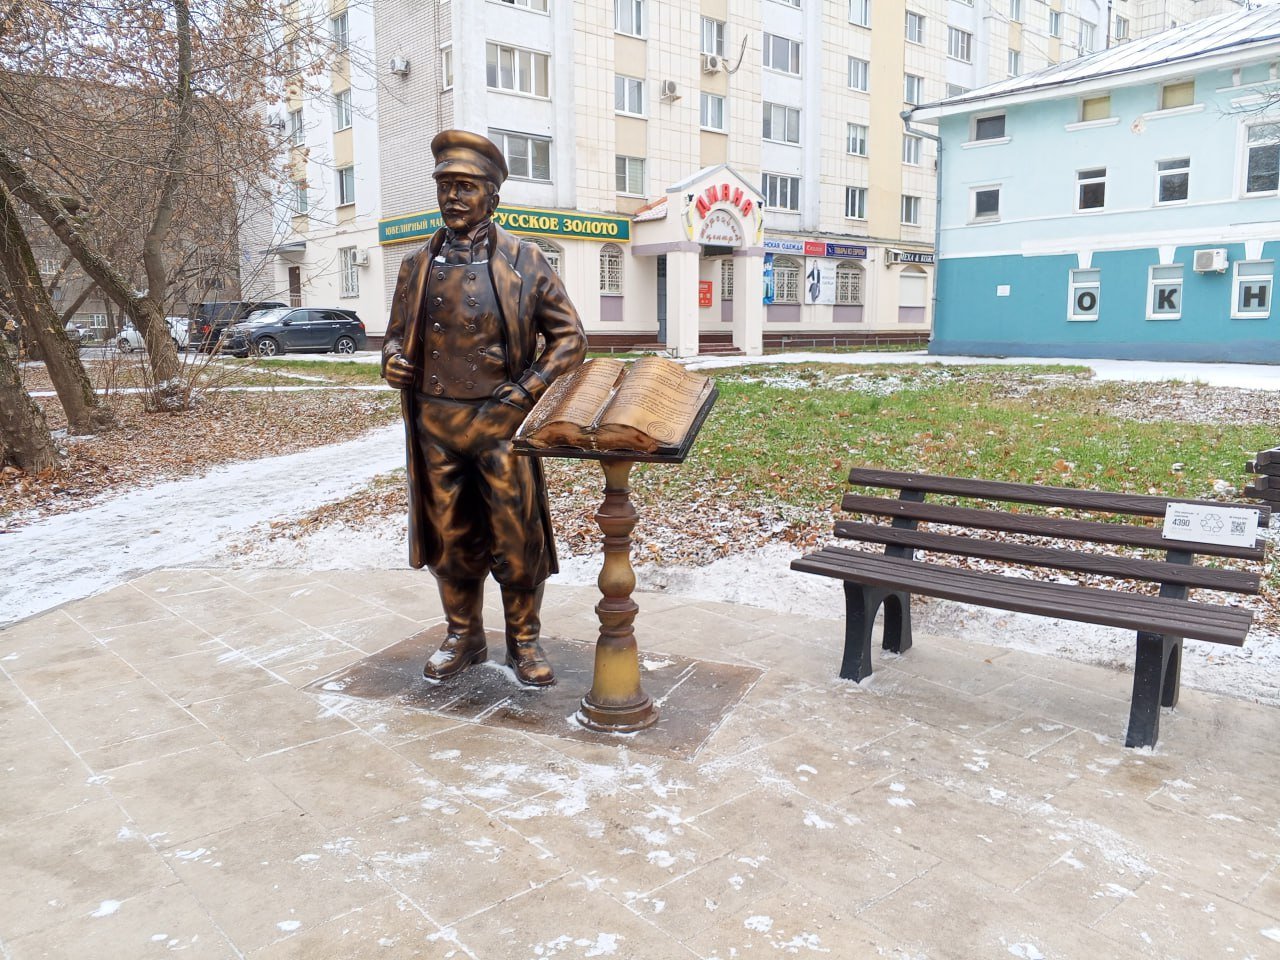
{"x":1266,"y":480}
{"x":889,"y":578}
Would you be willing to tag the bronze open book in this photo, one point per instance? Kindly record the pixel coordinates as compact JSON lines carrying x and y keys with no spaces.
{"x":647,"y":406}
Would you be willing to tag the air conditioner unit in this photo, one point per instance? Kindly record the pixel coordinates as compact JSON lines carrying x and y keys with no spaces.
{"x":361,"y":258}
{"x":712,"y":63}
{"x":1210,"y":261}
{"x":891,"y":257}
{"x":400,"y":66}
{"x":668,"y":90}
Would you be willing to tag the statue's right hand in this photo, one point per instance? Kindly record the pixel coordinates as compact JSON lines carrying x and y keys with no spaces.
{"x":398,"y":372}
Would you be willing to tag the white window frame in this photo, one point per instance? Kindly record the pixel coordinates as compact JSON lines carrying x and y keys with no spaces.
{"x":348,"y":273}
{"x":1015,"y":63}
{"x":959,"y":45}
{"x":974,"y":215}
{"x":850,"y":283}
{"x":505,"y":140}
{"x":914,"y":28}
{"x":48,"y":266}
{"x":346,"y":177}
{"x":98,"y":321}
{"x":524,"y":75}
{"x":1165,"y":169}
{"x":537,"y":6}
{"x":1081,"y":280}
{"x":726,"y":278}
{"x":779,"y":187}
{"x":1266,"y":275}
{"x":779,"y":114}
{"x":1161,"y":277}
{"x":792,"y":48}
{"x":1267,"y":142}
{"x":1086,"y":37}
{"x":860,"y":13}
{"x":910,"y":81}
{"x":552,"y":253}
{"x":610,"y":270}
{"x":1015,"y":11}
{"x":342,"y":113}
{"x":786,"y":279}
{"x":629,"y":176}
{"x":912,"y":149}
{"x":1082,"y":181}
{"x":910,"y":205}
{"x":705,"y":102}
{"x":628,"y":17}
{"x":446,"y":66}
{"x":630,"y":91}
{"x":297,"y":129}
{"x":855,"y":203}
{"x":859,"y":74}
{"x":299,"y":203}
{"x":1122,"y":28}
{"x":1055,"y":23}
{"x":856,"y":135}
{"x":978,"y":120}
{"x":340,"y":30}
{"x":714,"y":40}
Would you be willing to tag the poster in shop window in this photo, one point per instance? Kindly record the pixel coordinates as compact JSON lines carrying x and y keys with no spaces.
{"x":820,"y":281}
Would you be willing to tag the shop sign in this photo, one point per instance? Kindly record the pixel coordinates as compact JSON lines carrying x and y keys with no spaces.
{"x":778,"y":245}
{"x":722,"y":215}
{"x":720,"y":229}
{"x":768,"y":278}
{"x":704,"y":293}
{"x":846,"y":251}
{"x":570,"y":224}
{"x":908,"y":257}
{"x":814,"y":248}
{"x":820,"y":281}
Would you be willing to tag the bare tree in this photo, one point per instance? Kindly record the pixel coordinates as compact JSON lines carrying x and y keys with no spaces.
{"x":25,"y":441}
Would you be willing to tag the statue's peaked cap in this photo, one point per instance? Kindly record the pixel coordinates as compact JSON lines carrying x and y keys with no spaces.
{"x":464,"y":153}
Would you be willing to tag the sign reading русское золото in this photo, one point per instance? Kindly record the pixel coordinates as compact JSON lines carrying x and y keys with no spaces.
{"x":527,"y":220}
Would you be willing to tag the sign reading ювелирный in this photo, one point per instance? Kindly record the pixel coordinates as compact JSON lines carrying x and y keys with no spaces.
{"x":527,"y":220}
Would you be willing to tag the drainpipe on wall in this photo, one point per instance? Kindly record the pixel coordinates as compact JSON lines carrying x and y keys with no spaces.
{"x":937,"y":210}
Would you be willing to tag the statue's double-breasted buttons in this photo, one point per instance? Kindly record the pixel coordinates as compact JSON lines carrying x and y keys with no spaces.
{"x":472,"y":302}
{"x":438,"y":328}
{"x":437,"y":389}
{"x":470,"y":276}
{"x":435,"y":354}
{"x":440,"y":275}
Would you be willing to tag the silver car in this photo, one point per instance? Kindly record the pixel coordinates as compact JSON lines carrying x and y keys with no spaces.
{"x":130,"y":337}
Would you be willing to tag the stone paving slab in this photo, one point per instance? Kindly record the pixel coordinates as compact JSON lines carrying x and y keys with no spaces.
{"x":178,"y":779}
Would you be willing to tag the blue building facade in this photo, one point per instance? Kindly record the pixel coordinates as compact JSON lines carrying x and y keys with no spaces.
{"x":1124,"y":205}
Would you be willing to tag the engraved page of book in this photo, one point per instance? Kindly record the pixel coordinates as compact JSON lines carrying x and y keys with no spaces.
{"x":575,"y":397}
{"x":658,"y":397}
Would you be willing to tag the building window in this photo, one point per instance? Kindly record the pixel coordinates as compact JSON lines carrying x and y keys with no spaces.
{"x":860,"y":12}
{"x":989,"y":128}
{"x":781,"y":123}
{"x":955,"y":90}
{"x":48,"y":266}
{"x":1164,"y":300}
{"x":911,"y":150}
{"x":1173,"y":179}
{"x":1251,"y":289}
{"x":1091,"y":189}
{"x":98,"y":321}
{"x":1122,"y":28}
{"x":915,"y":28}
{"x":781,"y":54}
{"x":1181,"y":94}
{"x":726,"y":278}
{"x":1086,"y":37}
{"x":786,"y":280}
{"x":528,"y":158}
{"x":986,"y":203}
{"x":628,"y":95}
{"x":611,"y":269}
{"x":780,"y":192}
{"x":1084,"y":295}
{"x":711,"y":112}
{"x":859,"y":74}
{"x":791,"y":3}
{"x":912,"y":88}
{"x":539,"y":5}
{"x":1015,"y":11}
{"x":628,"y":17}
{"x":1015,"y":62}
{"x":297,"y":133}
{"x":713,"y":37}
{"x":341,"y":30}
{"x":959,"y":45}
{"x":1095,"y":108}
{"x":849,"y":276}
{"x":855,"y":203}
{"x":299,"y":201}
{"x":446,"y":67}
{"x":346,"y":185}
{"x":1262,"y":161}
{"x":1055,"y":23}
{"x":630,"y":175}
{"x":520,"y":71}
{"x":910,"y":210}
{"x":342,"y":110}
{"x":349,"y":273}
{"x":857,"y":139}
{"x":550,"y":251}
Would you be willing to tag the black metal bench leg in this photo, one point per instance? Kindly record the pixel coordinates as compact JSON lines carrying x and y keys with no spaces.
{"x":1155,"y":680}
{"x":860,"y":607}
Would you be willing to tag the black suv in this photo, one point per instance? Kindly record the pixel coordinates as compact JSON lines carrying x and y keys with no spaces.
{"x":209,"y":320}
{"x":302,"y":329}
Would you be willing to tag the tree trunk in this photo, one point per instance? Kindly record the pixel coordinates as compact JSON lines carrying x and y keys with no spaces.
{"x":41,"y":320}
{"x":24,"y":435}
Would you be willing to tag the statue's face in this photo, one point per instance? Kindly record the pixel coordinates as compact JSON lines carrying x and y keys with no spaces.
{"x":464,"y":201}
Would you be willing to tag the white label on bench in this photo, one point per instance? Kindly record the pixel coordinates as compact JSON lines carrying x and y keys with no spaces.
{"x":1228,"y":526}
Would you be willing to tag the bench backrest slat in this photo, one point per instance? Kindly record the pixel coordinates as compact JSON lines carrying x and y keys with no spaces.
{"x":1084,"y":530}
{"x":1121,"y":503}
{"x":1127,"y":568}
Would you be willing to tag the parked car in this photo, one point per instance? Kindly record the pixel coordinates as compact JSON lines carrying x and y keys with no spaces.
{"x":130,"y":337}
{"x":209,"y":320}
{"x":301,"y":329}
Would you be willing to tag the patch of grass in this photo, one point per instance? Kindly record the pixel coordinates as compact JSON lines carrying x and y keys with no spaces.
{"x":335,"y":371}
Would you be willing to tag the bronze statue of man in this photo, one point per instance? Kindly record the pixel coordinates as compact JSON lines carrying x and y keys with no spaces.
{"x":480,"y":326}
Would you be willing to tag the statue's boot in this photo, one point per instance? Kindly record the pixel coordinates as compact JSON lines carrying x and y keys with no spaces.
{"x":524,"y":654}
{"x":464,"y":645}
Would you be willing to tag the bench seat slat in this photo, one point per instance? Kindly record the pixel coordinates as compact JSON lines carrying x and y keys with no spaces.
{"x":1270,"y":469}
{"x":1128,"y":568}
{"x":1269,"y":456}
{"x":1162,"y":615}
{"x":1088,"y":530}
{"x":1122,"y":503}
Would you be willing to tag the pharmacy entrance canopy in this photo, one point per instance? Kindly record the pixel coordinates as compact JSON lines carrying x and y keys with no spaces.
{"x":529,"y":221}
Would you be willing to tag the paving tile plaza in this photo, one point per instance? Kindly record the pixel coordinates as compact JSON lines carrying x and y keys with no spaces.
{"x":185,"y":771}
